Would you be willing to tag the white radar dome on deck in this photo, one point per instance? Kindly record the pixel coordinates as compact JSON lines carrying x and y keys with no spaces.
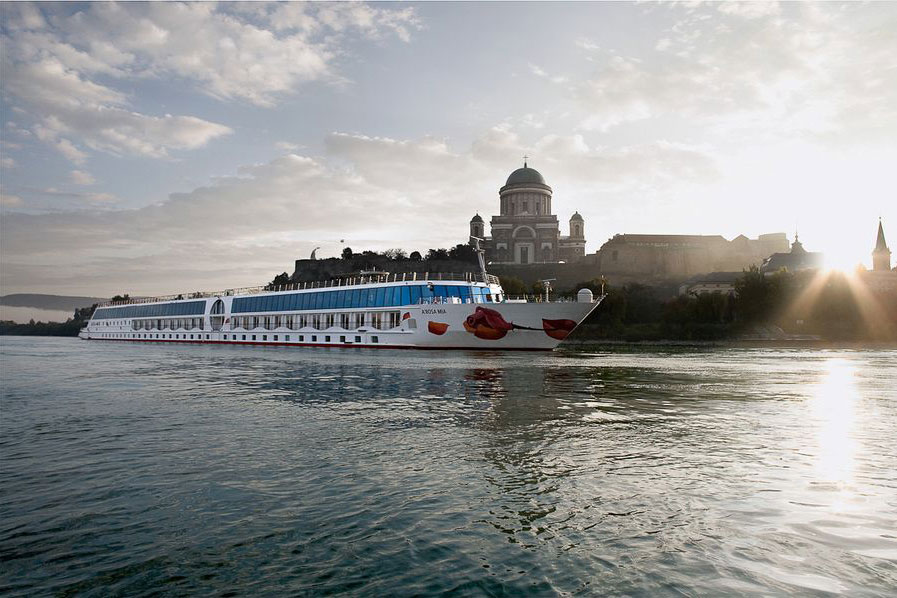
{"x":584,"y":296}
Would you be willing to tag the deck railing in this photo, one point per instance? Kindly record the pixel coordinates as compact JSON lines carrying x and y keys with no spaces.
{"x":346,"y":281}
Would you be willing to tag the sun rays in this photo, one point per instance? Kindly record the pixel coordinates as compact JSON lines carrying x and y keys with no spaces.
{"x":840,"y":301}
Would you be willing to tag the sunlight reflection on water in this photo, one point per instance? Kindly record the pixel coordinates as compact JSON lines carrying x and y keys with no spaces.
{"x":833,"y":407}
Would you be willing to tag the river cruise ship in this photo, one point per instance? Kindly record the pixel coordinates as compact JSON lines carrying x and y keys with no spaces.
{"x":372,"y":309}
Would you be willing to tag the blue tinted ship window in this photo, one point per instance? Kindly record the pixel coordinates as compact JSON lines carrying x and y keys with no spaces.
{"x":149,"y":311}
{"x":406,"y":296}
{"x":340,"y":299}
{"x":381,"y":297}
{"x":415,"y":295}
{"x":439,"y":290}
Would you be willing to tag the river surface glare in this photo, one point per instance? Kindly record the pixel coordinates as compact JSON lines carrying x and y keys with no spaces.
{"x":174,"y":470}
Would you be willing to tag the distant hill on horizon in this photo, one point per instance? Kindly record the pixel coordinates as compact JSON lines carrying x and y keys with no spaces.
{"x":55,"y":302}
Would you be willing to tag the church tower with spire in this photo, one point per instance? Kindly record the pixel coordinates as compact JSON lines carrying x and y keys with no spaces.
{"x":881,"y":255}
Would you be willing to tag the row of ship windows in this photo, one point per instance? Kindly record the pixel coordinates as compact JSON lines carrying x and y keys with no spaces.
{"x":174,"y":324}
{"x":300,"y":338}
{"x":355,"y":298}
{"x":379,"y":320}
{"x":186,"y":308}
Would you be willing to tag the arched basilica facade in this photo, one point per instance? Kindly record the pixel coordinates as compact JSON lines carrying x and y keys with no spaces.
{"x":526,"y":231}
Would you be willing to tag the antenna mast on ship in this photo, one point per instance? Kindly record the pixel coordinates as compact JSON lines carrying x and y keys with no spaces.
{"x":480,"y":252}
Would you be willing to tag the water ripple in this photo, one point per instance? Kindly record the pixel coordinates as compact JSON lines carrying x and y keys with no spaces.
{"x":232,"y":471}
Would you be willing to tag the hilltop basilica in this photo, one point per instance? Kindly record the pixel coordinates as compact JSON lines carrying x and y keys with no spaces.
{"x":526,"y":231}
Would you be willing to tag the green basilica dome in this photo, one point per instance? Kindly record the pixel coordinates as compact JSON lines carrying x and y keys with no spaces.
{"x":525,"y":175}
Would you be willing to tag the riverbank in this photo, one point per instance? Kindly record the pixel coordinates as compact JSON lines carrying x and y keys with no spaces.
{"x":68,"y":328}
{"x":617,"y":345}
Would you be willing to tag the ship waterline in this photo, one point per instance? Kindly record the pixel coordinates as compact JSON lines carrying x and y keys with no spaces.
{"x":440,"y":311}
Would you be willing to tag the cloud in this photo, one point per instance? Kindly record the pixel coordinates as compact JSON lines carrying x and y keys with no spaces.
{"x":67,"y":70}
{"x":101,"y":197}
{"x":749,"y":10}
{"x":376,"y":192}
{"x":80,"y":177}
{"x":287,"y":145}
{"x":819,"y":70}
{"x":255,"y":54}
{"x":540,"y":72}
{"x":69,"y":106}
{"x":67,"y":149}
{"x":7,"y":162}
{"x":371,"y":20}
{"x":10,"y":200}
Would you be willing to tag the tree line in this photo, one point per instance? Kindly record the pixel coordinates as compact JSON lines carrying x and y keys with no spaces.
{"x":830,"y":306}
{"x":71,"y":327}
{"x":461,"y":252}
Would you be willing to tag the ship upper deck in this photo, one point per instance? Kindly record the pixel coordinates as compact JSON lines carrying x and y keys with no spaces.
{"x":357,"y":280}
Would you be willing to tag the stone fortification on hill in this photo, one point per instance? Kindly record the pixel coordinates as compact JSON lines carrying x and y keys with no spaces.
{"x":649,"y":258}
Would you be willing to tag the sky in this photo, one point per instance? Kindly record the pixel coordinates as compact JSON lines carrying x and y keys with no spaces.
{"x":158,"y":148}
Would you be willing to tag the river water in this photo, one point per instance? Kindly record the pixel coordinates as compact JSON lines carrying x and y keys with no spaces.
{"x":168,"y":470}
